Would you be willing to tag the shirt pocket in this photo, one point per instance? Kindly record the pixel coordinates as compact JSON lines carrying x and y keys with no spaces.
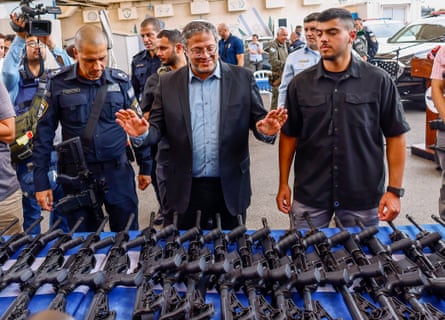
{"x":113,"y":103}
{"x":361,"y":109}
{"x":74,"y":108}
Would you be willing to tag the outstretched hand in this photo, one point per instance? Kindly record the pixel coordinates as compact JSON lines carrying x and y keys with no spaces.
{"x":131,"y":123}
{"x":273,"y":122}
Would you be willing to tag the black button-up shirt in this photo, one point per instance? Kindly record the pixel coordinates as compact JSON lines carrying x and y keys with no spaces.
{"x":340,"y":124}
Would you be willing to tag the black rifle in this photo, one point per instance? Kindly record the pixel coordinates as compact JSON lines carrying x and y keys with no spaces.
{"x":307,"y":277}
{"x":50,"y":271}
{"x":407,"y":275}
{"x":174,"y":260}
{"x":434,"y":241}
{"x":192,"y":304}
{"x":390,"y":306}
{"x":281,"y":268}
{"x":149,"y":261}
{"x":251,"y":278}
{"x":115,"y":270}
{"x":79,"y":267}
{"x":74,"y":173}
{"x":432,"y":267}
{"x":15,"y":242}
{"x":331,"y":262}
{"x":414,"y":251}
{"x":225,"y":263}
{"x":21,"y":270}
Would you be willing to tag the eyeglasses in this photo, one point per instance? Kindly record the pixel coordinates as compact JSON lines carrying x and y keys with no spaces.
{"x":198,"y":52}
{"x":35,"y":44}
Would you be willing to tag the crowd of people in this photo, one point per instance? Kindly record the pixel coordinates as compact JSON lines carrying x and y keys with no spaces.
{"x":85,"y":123}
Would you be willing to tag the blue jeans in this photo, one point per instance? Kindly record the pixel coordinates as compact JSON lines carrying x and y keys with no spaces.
{"x":31,"y":209}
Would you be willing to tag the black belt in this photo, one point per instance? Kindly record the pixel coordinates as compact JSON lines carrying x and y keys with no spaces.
{"x":109,"y":164}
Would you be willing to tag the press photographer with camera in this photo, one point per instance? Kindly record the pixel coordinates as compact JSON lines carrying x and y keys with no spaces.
{"x":25,"y":76}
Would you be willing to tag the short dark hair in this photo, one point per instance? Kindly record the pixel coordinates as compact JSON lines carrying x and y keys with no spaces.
{"x":173,"y":36}
{"x":311,"y":17}
{"x":337,"y":13}
{"x":255,"y":35}
{"x":198,"y":26}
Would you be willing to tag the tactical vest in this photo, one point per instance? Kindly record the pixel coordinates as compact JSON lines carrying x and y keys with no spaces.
{"x":26,"y":107}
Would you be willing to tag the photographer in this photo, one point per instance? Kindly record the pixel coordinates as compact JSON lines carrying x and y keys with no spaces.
{"x":24,"y":68}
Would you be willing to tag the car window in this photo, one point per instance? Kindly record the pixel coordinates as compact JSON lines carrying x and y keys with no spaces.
{"x":385,"y":30}
{"x":420,"y":33}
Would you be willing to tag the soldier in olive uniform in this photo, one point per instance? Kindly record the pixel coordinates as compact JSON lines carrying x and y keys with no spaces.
{"x":277,"y":57}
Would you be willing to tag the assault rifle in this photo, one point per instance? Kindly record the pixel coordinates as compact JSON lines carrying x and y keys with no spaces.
{"x":192,"y":305}
{"x":307,"y":277}
{"x":278,"y":284}
{"x":21,"y":271}
{"x":331,"y":262}
{"x":149,"y":261}
{"x":225,"y":263}
{"x":50,"y":271}
{"x":434,"y":241}
{"x":15,"y":242}
{"x":390,"y":306}
{"x":72,"y":161}
{"x":433,"y":268}
{"x":174,"y":258}
{"x":406,"y":273}
{"x":115,"y":270}
{"x":254,"y":271}
{"x":414,"y":251}
{"x":79,"y":267}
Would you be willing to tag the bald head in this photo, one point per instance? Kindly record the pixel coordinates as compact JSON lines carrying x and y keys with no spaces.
{"x":89,"y":35}
{"x":223,"y":30}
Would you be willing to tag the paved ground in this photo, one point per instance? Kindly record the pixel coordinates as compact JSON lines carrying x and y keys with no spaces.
{"x":421,"y":182}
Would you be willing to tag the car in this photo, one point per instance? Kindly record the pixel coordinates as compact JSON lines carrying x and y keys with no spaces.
{"x":383,"y":29}
{"x":414,"y":40}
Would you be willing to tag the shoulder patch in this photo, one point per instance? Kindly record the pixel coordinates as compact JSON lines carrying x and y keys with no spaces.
{"x":272,"y":50}
{"x":119,"y":74}
{"x":42,"y":109}
{"x":55,"y":72}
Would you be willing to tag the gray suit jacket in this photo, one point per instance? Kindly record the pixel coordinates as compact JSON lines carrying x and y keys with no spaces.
{"x":241,"y":108}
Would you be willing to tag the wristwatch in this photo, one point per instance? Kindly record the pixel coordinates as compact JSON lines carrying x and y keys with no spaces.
{"x":397,"y":191}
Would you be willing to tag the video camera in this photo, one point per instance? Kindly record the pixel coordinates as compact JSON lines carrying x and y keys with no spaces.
{"x":31,"y":15}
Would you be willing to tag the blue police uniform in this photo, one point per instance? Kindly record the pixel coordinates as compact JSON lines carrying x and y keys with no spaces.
{"x":69,"y":101}
{"x":142,"y":66}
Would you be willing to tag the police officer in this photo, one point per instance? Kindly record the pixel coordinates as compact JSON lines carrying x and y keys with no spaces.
{"x":72,"y":91}
{"x":146,"y":62}
{"x":24,"y":70}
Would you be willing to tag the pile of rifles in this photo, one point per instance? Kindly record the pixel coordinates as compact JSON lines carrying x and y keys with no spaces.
{"x":256,"y":275}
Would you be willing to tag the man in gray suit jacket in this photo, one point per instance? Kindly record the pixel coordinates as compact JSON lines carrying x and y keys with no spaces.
{"x":205,"y":110}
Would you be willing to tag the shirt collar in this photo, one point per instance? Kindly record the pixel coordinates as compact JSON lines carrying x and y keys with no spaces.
{"x":353,"y":69}
{"x":73,"y":74}
{"x":216,"y":73}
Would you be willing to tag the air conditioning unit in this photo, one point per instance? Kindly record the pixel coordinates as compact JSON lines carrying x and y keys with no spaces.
{"x":90,"y":16}
{"x":129,"y":13}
